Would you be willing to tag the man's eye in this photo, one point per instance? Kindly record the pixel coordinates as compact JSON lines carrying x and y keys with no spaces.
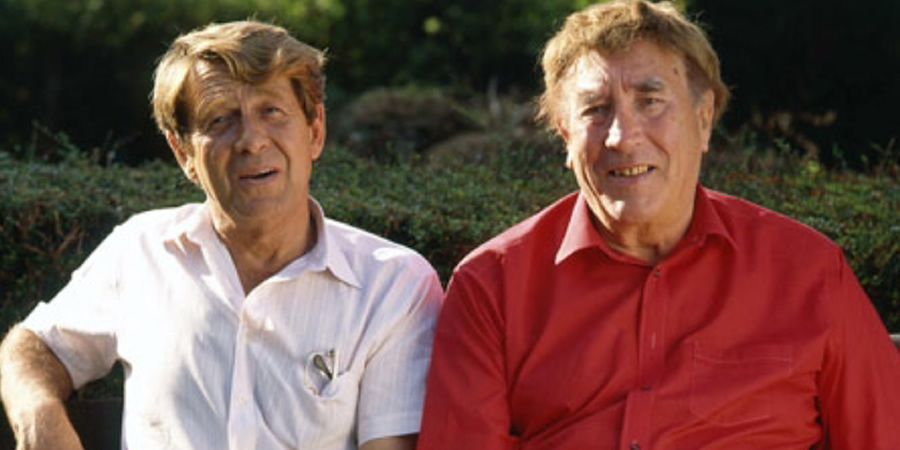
{"x":650,"y":101}
{"x":595,"y":110}
{"x":272,"y":111}
{"x":218,"y":123}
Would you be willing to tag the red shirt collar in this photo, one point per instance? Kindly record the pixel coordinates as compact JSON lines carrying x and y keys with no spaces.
{"x":581,"y":234}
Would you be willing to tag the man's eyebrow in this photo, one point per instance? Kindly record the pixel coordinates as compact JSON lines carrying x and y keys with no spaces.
{"x":589,"y":97}
{"x":209,"y":106}
{"x":649,"y":85}
{"x":205,"y":105}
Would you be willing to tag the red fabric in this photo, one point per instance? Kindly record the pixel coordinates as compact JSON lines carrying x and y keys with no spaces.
{"x":752,"y":334}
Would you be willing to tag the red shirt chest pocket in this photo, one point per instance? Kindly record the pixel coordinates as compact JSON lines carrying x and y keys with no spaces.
{"x":737,"y":385}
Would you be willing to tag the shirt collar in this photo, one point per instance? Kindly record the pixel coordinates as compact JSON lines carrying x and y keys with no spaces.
{"x":706,"y":222}
{"x":192,"y":226}
{"x":581,"y":234}
{"x":196,"y":228}
{"x":326,"y":253}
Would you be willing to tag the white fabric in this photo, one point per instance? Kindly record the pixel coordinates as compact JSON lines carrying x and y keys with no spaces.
{"x":209,"y":368}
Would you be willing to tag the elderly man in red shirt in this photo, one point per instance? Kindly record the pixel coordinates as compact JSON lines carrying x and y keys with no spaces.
{"x":645,"y":311}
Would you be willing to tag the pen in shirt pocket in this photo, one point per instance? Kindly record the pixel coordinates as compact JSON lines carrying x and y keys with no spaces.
{"x":320,"y":361}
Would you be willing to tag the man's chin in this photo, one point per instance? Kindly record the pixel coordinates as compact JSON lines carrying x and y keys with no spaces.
{"x":629,"y":211}
{"x":256,"y":210}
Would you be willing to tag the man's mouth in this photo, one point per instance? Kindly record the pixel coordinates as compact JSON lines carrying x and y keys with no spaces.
{"x":258,"y":175}
{"x":632,"y":171}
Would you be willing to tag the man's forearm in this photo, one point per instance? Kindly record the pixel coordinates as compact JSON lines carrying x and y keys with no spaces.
{"x":34,"y":384}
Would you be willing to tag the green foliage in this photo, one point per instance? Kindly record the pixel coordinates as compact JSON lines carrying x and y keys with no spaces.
{"x":52,"y":214}
{"x":86,"y":65}
{"x":441,"y":211}
{"x":394,"y":123}
{"x":54,"y":211}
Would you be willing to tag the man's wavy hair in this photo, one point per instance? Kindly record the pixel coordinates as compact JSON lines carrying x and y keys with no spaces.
{"x":614,"y":26}
{"x":252,"y":52}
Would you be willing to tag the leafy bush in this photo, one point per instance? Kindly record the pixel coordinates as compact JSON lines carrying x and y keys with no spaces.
{"x":66,"y":54}
{"x":396,"y":123}
{"x":53,"y":214}
{"x":797,"y":67}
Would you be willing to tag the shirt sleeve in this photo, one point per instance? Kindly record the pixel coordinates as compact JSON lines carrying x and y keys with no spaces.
{"x":466,"y":401}
{"x":392,"y":388}
{"x":859,"y":387}
{"x":79,"y":323}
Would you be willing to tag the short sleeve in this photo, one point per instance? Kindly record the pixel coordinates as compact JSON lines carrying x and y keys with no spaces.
{"x":859,"y":388}
{"x":392,"y":388}
{"x":466,"y":401}
{"x":79,"y":323}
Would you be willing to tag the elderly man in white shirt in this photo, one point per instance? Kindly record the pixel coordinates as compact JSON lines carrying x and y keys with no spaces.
{"x":250,"y":321}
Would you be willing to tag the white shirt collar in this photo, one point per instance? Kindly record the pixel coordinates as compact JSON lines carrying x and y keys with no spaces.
{"x":196,"y":228}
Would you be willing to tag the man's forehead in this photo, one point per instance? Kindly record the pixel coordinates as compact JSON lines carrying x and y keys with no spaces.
{"x":210,"y":85}
{"x":211,"y":80}
{"x":643,"y":67}
{"x":589,"y":72}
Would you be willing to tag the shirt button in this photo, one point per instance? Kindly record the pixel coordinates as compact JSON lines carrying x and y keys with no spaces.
{"x":646,"y":387}
{"x":635,"y":445}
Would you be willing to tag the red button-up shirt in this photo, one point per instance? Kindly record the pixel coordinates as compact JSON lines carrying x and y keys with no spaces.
{"x":752,"y":333}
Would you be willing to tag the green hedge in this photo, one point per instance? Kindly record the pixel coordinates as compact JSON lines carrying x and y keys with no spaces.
{"x":52,"y":213}
{"x":64,"y":55}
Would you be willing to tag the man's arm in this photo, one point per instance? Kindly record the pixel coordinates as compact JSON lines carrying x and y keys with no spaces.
{"x":859,"y":392}
{"x":34,"y":386}
{"x":392,"y":387}
{"x":407,"y":442}
{"x":466,"y":399}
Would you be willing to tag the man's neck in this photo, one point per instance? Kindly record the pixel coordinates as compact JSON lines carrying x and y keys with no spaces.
{"x":644,"y":242}
{"x":261,"y":250}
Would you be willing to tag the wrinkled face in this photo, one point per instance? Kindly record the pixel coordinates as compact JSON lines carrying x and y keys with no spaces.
{"x":635,"y":136}
{"x":250,"y":147}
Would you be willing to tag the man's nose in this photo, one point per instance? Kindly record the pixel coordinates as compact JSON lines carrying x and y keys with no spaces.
{"x":253,"y":137}
{"x":622,"y":130}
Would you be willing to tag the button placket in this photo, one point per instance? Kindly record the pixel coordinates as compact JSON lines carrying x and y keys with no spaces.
{"x":241,"y":414}
{"x":651,"y":336}
{"x":650,"y":361}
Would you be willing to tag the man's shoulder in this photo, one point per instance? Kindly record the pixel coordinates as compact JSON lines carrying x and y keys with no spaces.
{"x":162,"y":220}
{"x":366,"y":251}
{"x":753,"y":224}
{"x":541,"y":232}
{"x":154,"y":225}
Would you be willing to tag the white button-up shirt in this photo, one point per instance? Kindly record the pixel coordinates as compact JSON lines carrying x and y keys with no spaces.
{"x":330,"y":352}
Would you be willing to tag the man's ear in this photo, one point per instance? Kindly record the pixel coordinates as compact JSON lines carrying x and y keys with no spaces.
{"x":706,"y":107}
{"x":563,"y":131}
{"x":183,"y":155}
{"x":317,"y":132}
